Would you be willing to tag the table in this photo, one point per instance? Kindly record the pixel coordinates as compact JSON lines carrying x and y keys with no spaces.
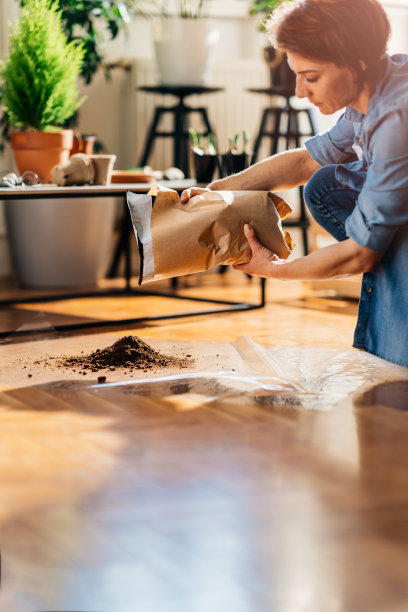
{"x":54,"y":191}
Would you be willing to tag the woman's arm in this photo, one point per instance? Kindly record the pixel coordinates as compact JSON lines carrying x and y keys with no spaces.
{"x":335,"y":261}
{"x":277,"y":173}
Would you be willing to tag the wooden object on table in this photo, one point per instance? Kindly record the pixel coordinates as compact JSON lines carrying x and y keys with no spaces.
{"x":132,"y":176}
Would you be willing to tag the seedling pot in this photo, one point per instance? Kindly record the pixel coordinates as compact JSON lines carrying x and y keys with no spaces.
{"x":205,"y":166}
{"x":234,"y":162}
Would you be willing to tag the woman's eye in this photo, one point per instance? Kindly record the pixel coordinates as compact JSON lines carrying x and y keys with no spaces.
{"x":311,"y":80}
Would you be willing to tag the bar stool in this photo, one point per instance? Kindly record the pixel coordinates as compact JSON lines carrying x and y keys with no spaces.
{"x":285,"y":122}
{"x":181,"y":113}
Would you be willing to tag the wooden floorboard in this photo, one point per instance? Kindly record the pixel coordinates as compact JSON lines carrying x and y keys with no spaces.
{"x":202,"y":492}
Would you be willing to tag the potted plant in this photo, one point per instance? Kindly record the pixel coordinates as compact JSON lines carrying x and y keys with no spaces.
{"x":39,"y":88}
{"x":205,"y":156}
{"x":86,"y":25}
{"x":236,"y":159}
{"x":63,"y":241}
{"x":281,"y":76}
{"x":184,"y":39}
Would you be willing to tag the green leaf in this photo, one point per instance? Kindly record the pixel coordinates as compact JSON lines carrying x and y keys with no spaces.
{"x":40,"y":75}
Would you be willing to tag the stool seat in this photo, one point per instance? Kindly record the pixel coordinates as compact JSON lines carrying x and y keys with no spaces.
{"x":181,"y":113}
{"x":285,"y":92}
{"x":182,"y":91}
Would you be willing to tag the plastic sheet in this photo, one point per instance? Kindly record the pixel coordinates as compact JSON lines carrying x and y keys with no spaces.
{"x":297,"y":377}
{"x":247,"y":372}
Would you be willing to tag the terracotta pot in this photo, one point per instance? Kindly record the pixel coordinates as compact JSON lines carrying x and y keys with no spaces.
{"x":82,"y":144}
{"x":41,"y":151}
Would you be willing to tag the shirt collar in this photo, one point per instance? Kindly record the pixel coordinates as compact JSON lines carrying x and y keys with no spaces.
{"x":356,"y":116}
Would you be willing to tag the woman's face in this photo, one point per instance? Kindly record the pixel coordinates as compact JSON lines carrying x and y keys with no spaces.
{"x":327,"y":86}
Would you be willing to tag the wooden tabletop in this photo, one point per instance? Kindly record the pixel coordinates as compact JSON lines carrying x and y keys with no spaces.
{"x":49,"y":190}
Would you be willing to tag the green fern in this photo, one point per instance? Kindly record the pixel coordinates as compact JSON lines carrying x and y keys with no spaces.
{"x":40,"y":88}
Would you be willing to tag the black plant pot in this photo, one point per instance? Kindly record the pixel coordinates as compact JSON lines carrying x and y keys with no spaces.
{"x":205,"y":166}
{"x":234,"y":162}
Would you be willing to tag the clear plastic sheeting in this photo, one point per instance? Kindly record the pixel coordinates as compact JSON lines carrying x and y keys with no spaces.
{"x":244,"y":372}
{"x":297,"y":377}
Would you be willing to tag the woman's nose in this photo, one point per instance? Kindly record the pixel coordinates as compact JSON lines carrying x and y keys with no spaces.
{"x":300,"y":89}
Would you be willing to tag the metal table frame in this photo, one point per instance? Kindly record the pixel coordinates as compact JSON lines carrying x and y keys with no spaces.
{"x":52,"y":191}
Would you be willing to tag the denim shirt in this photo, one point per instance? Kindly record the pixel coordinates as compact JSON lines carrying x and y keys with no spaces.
{"x":378,"y":144}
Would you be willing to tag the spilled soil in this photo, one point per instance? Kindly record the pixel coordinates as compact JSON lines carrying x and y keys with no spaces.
{"x":129,"y":352}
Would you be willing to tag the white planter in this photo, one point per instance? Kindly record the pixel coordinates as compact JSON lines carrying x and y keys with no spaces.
{"x":62,"y":242}
{"x":184,"y":49}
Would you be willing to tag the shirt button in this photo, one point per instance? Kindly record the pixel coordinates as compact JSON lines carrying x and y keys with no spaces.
{"x":369,"y":289}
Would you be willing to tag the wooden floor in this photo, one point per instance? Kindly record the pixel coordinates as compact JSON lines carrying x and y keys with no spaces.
{"x":232,"y":486}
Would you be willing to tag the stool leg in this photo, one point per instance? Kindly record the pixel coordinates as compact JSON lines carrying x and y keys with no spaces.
{"x":303,"y":218}
{"x":304,"y":221}
{"x":204,"y":116}
{"x":150,"y":138}
{"x":277,"y":112}
{"x":312,"y":122}
{"x":296,"y":128}
{"x":122,"y":246}
{"x":180,"y":143}
{"x":206,"y":121}
{"x":260,"y":135}
{"x":292,"y":133}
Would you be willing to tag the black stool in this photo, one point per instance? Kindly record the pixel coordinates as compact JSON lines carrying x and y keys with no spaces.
{"x":181,"y":113}
{"x":181,"y":148}
{"x":285,"y":126}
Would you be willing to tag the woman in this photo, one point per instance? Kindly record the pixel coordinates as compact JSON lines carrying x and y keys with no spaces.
{"x":356,"y":174}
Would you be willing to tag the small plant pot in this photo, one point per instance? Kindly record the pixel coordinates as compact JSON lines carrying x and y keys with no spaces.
{"x":82,"y":144}
{"x":205,"y":166}
{"x":103,"y":165}
{"x":234,"y":162}
{"x":41,"y":151}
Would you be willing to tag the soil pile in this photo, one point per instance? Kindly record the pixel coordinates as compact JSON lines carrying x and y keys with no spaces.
{"x":129,"y":352}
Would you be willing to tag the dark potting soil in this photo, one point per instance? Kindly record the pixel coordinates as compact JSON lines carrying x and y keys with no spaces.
{"x":129,"y":352}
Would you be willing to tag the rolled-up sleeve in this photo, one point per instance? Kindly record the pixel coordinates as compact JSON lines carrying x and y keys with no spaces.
{"x":382,"y":206}
{"x":333,"y":146}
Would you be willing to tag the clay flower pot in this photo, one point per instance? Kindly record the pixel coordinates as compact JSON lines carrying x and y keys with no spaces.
{"x":82,"y":144}
{"x":41,"y":151}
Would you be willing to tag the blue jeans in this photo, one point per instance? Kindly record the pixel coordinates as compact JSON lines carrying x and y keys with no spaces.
{"x":329,"y":202}
{"x":382,"y":327}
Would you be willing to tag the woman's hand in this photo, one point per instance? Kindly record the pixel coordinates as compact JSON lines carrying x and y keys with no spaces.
{"x":192,"y":191}
{"x":334,"y":261}
{"x":263,"y":262}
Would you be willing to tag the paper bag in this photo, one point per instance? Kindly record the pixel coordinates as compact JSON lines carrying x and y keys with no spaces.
{"x":176,"y":239}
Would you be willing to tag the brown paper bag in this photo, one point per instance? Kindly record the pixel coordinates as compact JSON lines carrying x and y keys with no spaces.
{"x":176,"y":239}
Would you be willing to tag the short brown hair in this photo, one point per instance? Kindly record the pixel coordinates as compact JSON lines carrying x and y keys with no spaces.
{"x":345,"y":32}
